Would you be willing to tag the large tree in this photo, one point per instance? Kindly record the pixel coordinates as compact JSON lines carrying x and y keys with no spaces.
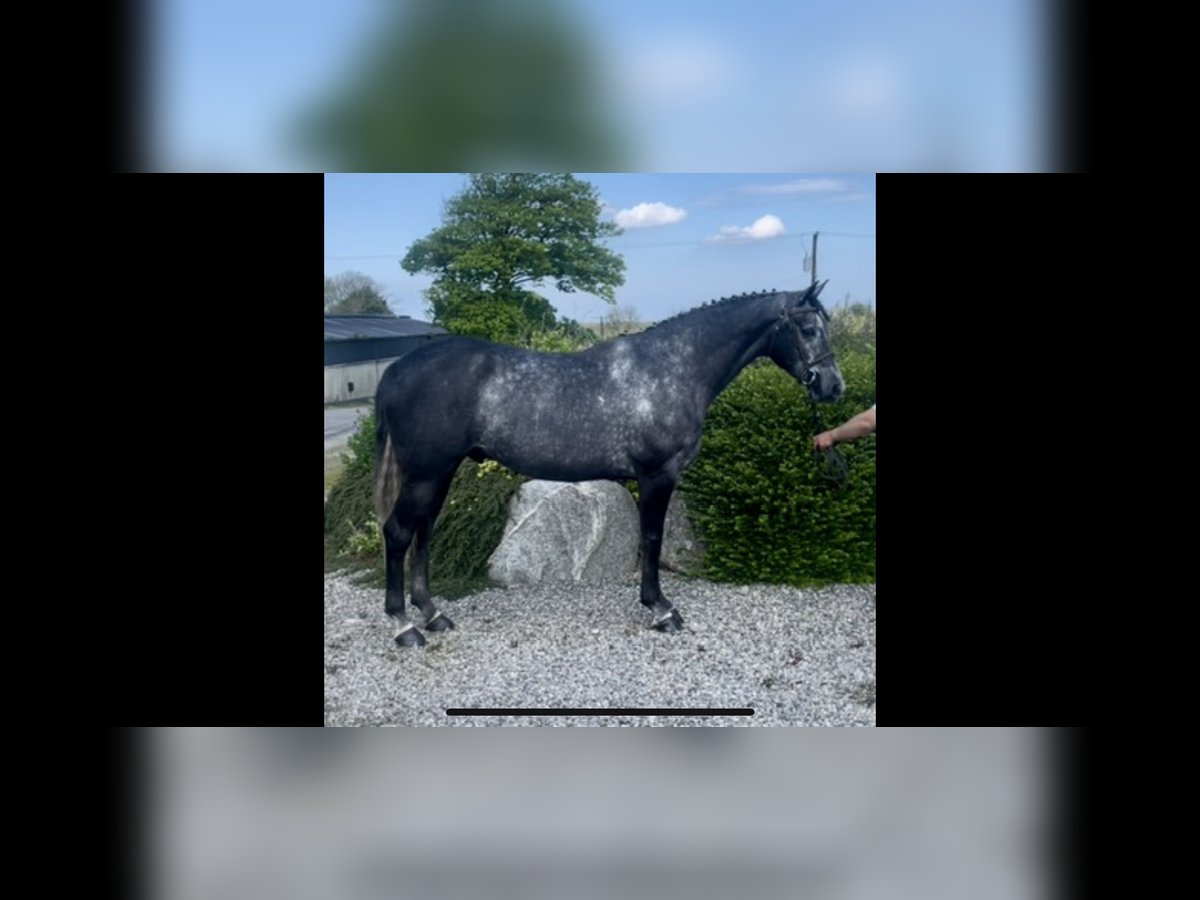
{"x":470,"y":84}
{"x":353,"y":292}
{"x":504,"y":234}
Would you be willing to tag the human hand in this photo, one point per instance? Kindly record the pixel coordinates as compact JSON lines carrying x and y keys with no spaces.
{"x":823,"y":441}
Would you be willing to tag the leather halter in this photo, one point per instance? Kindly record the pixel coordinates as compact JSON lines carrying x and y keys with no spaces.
{"x":785,"y":319}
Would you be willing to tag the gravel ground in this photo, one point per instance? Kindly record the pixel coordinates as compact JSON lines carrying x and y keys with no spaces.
{"x":797,"y":657}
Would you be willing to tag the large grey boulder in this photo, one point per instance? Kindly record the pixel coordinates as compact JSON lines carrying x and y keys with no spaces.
{"x":682,"y":550}
{"x":563,"y":531}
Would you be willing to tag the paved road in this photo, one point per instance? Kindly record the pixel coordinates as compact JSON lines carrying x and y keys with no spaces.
{"x":340,"y":422}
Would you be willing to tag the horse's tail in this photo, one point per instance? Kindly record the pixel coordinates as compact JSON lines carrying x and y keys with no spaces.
{"x":387,"y":472}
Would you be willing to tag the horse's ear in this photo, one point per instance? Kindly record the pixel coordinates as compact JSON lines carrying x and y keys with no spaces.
{"x":817,"y":303}
{"x":809,"y":298}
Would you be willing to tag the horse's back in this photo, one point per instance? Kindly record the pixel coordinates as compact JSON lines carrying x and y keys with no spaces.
{"x":434,"y":367}
{"x":460,"y":367}
{"x":565,"y":416}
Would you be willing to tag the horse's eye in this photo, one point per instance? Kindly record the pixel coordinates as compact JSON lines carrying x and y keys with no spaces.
{"x":809,"y":332}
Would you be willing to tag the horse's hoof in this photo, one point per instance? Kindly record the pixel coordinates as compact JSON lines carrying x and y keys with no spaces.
{"x":441,"y":622}
{"x":410,"y":638}
{"x":671,"y":624}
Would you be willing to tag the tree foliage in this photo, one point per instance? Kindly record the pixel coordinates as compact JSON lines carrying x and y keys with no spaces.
{"x":462,"y":85}
{"x":350,"y":293}
{"x":852,"y":328}
{"x":505,"y":234}
{"x":622,"y":319}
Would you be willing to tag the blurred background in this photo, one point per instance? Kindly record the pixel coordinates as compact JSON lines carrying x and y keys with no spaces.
{"x":910,"y":814}
{"x":618,"y":85}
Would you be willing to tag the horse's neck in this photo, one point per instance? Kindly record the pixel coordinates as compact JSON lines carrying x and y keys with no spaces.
{"x":722,"y":352}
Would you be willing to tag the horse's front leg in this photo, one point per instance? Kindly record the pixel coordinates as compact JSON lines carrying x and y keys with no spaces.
{"x":655,"y":493}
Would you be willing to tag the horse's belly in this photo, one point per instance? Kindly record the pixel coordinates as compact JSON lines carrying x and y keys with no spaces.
{"x":559,"y":454}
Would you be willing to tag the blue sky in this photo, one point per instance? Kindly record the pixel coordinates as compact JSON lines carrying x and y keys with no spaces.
{"x":851,"y":85}
{"x":719,"y":235}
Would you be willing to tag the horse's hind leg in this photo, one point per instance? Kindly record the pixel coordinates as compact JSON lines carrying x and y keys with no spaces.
{"x":655,"y":494}
{"x":434,"y":619}
{"x":398,"y":533}
{"x":415,"y":512}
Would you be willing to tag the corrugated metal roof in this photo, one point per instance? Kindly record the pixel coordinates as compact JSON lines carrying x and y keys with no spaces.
{"x":346,"y":328}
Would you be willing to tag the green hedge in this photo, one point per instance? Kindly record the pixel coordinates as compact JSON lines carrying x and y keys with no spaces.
{"x":350,"y":507}
{"x":762,"y":500}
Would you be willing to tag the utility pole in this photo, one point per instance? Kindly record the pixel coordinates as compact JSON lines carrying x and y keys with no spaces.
{"x":814,"y":258}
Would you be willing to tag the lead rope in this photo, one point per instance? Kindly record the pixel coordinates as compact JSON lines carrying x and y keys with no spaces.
{"x":835,"y":468}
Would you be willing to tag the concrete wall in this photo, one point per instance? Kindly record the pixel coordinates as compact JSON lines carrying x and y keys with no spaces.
{"x":364,"y":376}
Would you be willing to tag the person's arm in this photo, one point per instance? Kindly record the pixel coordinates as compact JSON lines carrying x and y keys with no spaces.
{"x":863,"y":423}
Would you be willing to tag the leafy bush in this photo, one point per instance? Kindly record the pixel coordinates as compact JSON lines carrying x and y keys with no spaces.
{"x":852,"y":329}
{"x":361,"y":445}
{"x":469,"y":527}
{"x":351,"y":501}
{"x":365,"y":542}
{"x":472,"y":520}
{"x":565,"y":337}
{"x":760,"y":496}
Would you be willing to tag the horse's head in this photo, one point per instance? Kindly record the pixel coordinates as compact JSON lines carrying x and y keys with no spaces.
{"x":800,"y":344}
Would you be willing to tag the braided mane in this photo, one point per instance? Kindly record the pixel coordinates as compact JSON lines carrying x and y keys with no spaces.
{"x":711,"y":304}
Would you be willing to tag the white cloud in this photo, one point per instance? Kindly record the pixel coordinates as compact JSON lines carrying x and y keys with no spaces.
{"x":648,"y":215}
{"x":763,"y":228}
{"x":800,"y":186}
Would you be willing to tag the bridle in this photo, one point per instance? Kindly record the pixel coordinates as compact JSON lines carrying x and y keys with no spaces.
{"x":807,"y":375}
{"x":835,"y":466}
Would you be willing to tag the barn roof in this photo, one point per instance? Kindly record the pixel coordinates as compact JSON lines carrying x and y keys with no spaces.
{"x":346,"y":328}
